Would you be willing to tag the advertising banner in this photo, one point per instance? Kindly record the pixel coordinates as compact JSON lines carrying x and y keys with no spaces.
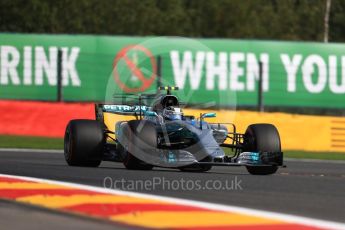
{"x":208,"y":72}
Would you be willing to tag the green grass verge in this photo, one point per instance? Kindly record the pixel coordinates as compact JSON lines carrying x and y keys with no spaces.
{"x":30,"y":142}
{"x":57,"y":143}
{"x":315,"y":155}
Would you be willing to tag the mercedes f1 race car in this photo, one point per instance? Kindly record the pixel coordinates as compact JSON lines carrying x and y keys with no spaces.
{"x":159,"y":134}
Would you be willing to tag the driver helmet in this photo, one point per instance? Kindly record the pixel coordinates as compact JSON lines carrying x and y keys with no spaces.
{"x":172,"y":114}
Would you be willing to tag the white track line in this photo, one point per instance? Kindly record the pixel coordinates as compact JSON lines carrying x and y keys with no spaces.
{"x":217,"y":207}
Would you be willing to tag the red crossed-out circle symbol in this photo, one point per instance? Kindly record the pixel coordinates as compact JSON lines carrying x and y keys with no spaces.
{"x":146,"y":82}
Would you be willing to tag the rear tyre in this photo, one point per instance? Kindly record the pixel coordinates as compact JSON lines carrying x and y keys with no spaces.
{"x":83,"y":143}
{"x":140,"y":133}
{"x":262,"y":138}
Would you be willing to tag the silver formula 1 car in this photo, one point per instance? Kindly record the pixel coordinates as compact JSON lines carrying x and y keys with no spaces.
{"x":161,"y":135}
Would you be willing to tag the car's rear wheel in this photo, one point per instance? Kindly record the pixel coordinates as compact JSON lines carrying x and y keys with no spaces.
{"x":262,"y":138}
{"x":141,"y":134}
{"x":84,"y":143}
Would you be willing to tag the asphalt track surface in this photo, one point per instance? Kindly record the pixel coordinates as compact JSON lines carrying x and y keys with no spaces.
{"x":309,"y":189}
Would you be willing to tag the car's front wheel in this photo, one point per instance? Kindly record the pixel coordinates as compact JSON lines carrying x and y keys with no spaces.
{"x":141,"y":135}
{"x":262,"y":138}
{"x":84,"y":143}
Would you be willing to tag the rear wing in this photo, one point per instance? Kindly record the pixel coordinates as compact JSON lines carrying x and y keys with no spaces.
{"x":125,"y":104}
{"x":130,"y":104}
{"x":130,"y":110}
{"x":124,"y":109}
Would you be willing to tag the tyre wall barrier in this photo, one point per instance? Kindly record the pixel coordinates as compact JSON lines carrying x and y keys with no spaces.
{"x":298,"y":132}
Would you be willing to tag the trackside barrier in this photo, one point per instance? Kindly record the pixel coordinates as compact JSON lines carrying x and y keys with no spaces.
{"x":93,"y":67}
{"x":298,"y":132}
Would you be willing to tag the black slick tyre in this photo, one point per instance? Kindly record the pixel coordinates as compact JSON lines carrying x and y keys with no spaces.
{"x":262,"y":138}
{"x":83,"y":143}
{"x":143,"y":134}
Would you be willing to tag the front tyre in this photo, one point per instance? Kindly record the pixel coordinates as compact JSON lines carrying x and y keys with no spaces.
{"x":83,"y":143}
{"x":131,"y":162}
{"x":141,"y":134}
{"x":262,"y":138}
